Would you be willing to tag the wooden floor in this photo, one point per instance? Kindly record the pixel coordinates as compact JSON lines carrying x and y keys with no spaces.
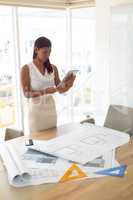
{"x":106,"y":188}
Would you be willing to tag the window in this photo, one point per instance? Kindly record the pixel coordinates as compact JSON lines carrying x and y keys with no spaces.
{"x":83,"y":57}
{"x":8,"y":95}
{"x":35,"y":22}
{"x":54,"y":24}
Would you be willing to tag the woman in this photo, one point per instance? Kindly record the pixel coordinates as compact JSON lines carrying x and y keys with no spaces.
{"x":40,"y":79}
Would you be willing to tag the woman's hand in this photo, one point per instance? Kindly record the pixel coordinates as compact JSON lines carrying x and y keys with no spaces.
{"x":49,"y":90}
{"x":61,"y":88}
{"x":69,"y":83}
{"x":66,"y":85}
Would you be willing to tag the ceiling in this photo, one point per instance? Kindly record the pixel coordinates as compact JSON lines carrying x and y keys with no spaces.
{"x":59,"y":4}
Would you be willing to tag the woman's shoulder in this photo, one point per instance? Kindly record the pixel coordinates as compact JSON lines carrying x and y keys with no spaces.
{"x":26,"y":67}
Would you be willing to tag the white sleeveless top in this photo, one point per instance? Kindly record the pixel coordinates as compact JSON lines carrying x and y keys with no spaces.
{"x":40,"y":112}
{"x":39,"y":81}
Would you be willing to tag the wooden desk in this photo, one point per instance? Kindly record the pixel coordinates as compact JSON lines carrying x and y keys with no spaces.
{"x":107,"y":188}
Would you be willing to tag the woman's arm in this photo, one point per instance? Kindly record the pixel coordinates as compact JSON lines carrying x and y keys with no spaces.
{"x":25,"y":82}
{"x":56,"y":76}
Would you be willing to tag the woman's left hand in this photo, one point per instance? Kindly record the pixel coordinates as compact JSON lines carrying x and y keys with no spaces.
{"x":66,"y":85}
{"x":70,"y":82}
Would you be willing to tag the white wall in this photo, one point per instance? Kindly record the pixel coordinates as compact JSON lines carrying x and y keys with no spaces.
{"x":101,"y":73}
{"x":121,"y":2}
{"x":114,"y":54}
{"x":121,"y":50}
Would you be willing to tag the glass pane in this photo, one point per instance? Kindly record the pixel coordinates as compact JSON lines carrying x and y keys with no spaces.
{"x":83,"y":58}
{"x":33,"y":23}
{"x":8,"y":109}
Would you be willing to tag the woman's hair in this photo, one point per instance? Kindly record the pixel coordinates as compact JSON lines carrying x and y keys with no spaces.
{"x":40,"y":43}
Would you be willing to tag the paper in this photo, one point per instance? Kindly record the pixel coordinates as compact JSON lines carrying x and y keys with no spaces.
{"x":30,"y":167}
{"x":84,"y":144}
{"x":90,"y":148}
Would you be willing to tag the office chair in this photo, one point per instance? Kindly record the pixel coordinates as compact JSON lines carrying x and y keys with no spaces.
{"x":118,"y":118}
{"x":12,"y":133}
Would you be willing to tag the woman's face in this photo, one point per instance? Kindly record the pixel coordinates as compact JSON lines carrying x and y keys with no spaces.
{"x":43,"y":53}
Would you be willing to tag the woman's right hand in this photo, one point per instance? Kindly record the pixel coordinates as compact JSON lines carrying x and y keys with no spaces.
{"x":50,"y":90}
{"x":61,"y":88}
